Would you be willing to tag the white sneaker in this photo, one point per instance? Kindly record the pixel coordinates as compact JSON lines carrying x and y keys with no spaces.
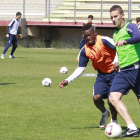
{"x":11,"y":56}
{"x":103,"y":121}
{"x":2,"y":56}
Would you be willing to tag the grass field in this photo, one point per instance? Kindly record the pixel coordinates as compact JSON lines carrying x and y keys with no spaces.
{"x":29,"y":111}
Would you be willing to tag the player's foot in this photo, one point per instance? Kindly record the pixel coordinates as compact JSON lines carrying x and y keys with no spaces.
{"x":103,"y":121}
{"x":11,"y":56}
{"x":2,"y":56}
{"x":130,"y":133}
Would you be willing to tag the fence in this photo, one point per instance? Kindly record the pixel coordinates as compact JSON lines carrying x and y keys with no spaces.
{"x":48,"y":9}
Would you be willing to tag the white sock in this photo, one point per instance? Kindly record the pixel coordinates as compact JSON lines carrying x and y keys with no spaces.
{"x":132,"y":126}
{"x":116,"y":121}
{"x":105,"y":113}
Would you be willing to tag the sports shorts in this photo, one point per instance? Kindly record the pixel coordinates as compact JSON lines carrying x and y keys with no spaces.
{"x":126,"y":80}
{"x":103,"y":83}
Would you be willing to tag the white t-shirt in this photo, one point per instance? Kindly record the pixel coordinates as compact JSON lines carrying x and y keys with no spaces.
{"x":13,"y":26}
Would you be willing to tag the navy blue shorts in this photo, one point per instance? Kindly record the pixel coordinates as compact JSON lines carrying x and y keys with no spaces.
{"x":126,"y":80}
{"x":103,"y":84}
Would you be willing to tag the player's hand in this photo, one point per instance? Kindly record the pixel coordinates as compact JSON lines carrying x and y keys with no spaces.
{"x":116,"y":66}
{"x":63,"y":84}
{"x":20,"y":35}
{"x":7,"y":35}
{"x":120,"y":43}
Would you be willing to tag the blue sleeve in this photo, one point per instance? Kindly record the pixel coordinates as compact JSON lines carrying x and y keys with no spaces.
{"x":11,"y":23}
{"x":108,"y":43}
{"x":83,"y":59}
{"x":82,"y":43}
{"x":133,"y":30}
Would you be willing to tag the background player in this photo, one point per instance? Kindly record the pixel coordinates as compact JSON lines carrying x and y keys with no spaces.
{"x":102,"y":52}
{"x":12,"y":31}
{"x":138,"y":22}
{"x":127,"y":40}
{"x":83,"y":41}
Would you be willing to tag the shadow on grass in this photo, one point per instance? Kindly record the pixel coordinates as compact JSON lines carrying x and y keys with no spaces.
{"x":91,"y":127}
{"x":23,"y":57}
{"x":88,"y":127}
{"x":6,"y":83}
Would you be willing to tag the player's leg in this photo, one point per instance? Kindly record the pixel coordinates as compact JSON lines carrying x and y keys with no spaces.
{"x":99,"y":103}
{"x":121,"y":85}
{"x":139,"y":100}
{"x":100,"y":91}
{"x":113,"y":112}
{"x":14,"y":43}
{"x":115,"y":99}
{"x":132,"y":131}
{"x":9,"y":43}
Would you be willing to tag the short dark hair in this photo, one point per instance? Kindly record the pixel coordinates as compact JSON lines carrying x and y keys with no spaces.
{"x":87,"y":27}
{"x":116,"y":7}
{"x":138,"y":19}
{"x":18,"y":13}
{"x":90,"y":16}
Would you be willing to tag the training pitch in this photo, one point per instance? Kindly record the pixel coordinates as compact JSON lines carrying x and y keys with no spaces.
{"x":29,"y":111}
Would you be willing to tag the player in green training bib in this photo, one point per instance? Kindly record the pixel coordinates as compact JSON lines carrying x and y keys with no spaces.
{"x":127,"y":41}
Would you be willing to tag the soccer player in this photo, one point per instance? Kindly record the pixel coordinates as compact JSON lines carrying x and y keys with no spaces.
{"x":101,"y":51}
{"x":83,"y":41}
{"x":138,"y":22}
{"x":12,"y":31}
{"x":127,"y":40}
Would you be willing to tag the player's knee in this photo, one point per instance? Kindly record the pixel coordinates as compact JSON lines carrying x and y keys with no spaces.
{"x":108,"y":101}
{"x":111,"y":99}
{"x":139,"y":101}
{"x":96,"y":98}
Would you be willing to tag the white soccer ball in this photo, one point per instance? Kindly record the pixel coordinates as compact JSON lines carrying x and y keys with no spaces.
{"x":46,"y":82}
{"x":63,"y":70}
{"x":113,"y":130}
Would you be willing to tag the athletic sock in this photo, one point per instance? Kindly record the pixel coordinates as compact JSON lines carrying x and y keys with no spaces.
{"x":132,"y":126}
{"x":116,"y":121}
{"x":105,"y":113}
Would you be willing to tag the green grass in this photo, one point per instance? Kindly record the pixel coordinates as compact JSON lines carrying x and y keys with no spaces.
{"x":29,"y":111}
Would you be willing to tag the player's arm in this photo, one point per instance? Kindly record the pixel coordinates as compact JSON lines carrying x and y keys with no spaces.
{"x":109,"y":42}
{"x":133,"y":30}
{"x":10,"y":25}
{"x":83,"y":60}
{"x":116,"y":63}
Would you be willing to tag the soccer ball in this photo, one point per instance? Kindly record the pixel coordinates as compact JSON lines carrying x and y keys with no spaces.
{"x":46,"y":82}
{"x":63,"y":70}
{"x":113,"y":130}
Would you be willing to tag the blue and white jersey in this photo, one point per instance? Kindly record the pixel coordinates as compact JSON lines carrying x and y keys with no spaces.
{"x":13,"y":26}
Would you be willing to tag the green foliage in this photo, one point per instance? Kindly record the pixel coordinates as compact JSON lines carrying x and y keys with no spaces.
{"x":29,"y":111}
{"x":39,"y":43}
{"x":60,"y":44}
{"x":2,"y":42}
{"x":32,"y":43}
